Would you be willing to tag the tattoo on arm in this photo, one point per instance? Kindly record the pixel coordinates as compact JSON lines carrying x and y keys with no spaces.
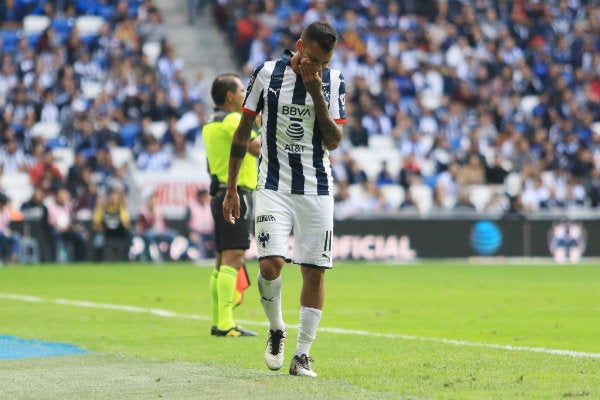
{"x":332,"y":133}
{"x":238,"y":151}
{"x":241,"y":137}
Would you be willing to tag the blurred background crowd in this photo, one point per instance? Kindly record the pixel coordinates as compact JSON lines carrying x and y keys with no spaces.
{"x":488,"y":105}
{"x":452,"y":105}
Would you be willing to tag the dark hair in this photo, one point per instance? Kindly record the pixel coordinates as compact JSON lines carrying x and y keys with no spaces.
{"x":322,"y":33}
{"x":221,"y":85}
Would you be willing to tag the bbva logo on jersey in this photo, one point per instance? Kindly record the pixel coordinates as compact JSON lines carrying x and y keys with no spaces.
{"x":296,"y":111}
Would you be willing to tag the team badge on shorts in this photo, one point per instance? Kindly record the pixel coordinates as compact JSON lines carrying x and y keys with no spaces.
{"x":263,"y":238}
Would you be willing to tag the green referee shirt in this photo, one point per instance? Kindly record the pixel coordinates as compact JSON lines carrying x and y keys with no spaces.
{"x":217,"y":135}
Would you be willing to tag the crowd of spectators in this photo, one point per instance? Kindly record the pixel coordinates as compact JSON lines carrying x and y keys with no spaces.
{"x":466,"y":93}
{"x":104,"y":73}
{"x":469,"y":93}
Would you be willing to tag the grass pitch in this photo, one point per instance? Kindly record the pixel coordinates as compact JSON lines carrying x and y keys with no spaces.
{"x":411,"y":331}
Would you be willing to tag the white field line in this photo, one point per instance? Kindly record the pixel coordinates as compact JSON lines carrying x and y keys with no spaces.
{"x":172,"y":314}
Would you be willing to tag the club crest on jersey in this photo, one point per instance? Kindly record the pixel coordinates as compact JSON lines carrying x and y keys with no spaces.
{"x":250,"y":83}
{"x":263,"y":238}
{"x":327,"y":92}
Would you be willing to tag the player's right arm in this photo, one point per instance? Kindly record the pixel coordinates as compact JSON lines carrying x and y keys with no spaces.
{"x":239,"y":148}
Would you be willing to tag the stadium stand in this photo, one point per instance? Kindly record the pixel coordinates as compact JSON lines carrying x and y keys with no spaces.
{"x":477,"y":74}
{"x":437,"y":81}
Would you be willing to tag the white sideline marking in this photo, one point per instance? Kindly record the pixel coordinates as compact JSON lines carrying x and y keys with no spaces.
{"x":172,"y":314}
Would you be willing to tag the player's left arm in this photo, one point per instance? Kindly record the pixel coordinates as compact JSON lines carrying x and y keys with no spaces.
{"x":254,"y":146}
{"x":311,"y":74}
{"x":331,"y":131}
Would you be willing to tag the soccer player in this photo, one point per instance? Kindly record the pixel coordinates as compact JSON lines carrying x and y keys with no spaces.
{"x":302,"y":105}
{"x":231,"y":240}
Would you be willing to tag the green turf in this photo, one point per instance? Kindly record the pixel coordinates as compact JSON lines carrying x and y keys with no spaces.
{"x":409,"y":331}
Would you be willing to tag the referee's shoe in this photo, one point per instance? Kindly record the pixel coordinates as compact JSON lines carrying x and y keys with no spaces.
{"x":233,"y":332}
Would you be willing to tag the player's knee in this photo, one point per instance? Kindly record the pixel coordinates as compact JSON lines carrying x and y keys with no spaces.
{"x":270,"y":268}
{"x":313,"y":276}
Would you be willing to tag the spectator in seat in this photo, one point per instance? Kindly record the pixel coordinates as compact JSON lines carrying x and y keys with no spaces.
{"x":153,"y":157}
{"x":447,"y":186}
{"x":112,"y":223}
{"x":63,"y":227}
{"x":9,"y":243}
{"x":152,"y":227}
{"x":354,"y":172}
{"x":410,"y":172}
{"x":13,"y":159}
{"x":153,"y":29}
{"x":12,"y":14}
{"x":473,"y":171}
{"x":34,"y":209}
{"x":495,"y":173}
{"x":201,"y":224}
{"x":346,"y":205}
{"x":43,"y":168}
{"x":384,"y":176}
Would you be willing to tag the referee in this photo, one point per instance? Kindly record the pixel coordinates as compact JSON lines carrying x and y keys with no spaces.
{"x":231,"y":241}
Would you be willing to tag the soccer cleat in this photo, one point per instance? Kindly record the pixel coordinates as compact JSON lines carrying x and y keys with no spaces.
{"x":300,"y":366}
{"x":233,"y":332}
{"x":214,"y":331}
{"x":274,"y":349}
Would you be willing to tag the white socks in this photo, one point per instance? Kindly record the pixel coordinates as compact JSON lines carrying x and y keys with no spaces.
{"x":307,"y":329}
{"x":270,"y":298}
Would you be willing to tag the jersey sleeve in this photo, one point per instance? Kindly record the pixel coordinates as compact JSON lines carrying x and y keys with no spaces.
{"x":337,"y":107}
{"x":254,"y":92}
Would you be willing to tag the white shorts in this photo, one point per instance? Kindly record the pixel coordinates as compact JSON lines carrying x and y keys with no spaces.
{"x":309,"y":218}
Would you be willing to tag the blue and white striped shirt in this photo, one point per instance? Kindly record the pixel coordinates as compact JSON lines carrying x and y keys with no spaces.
{"x":293,"y":158}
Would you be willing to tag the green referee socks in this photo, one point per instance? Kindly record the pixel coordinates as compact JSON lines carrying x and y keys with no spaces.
{"x":226,"y":282}
{"x":215,"y":297}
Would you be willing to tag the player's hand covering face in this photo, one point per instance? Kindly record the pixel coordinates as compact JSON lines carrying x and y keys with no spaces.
{"x":312,"y":59}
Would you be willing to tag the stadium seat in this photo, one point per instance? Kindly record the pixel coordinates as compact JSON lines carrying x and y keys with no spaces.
{"x":62,"y":26}
{"x":10,"y":39}
{"x":63,"y":158}
{"x":47,"y":130}
{"x":17,"y":186}
{"x":528,"y":103}
{"x":480,"y":196}
{"x":157,"y":129}
{"x":427,"y":166}
{"x":548,"y":178}
{"x":152,"y":50}
{"x":423,"y":197}
{"x":105,"y":10}
{"x":35,"y":23}
{"x":90,"y":89}
{"x":356,"y":191}
{"x":128,"y":133}
{"x":381,"y":142}
{"x":513,"y":184}
{"x":121,"y":155}
{"x":394,"y":194}
{"x":370,"y":159}
{"x":198,"y":156}
{"x":87,"y":7}
{"x":595,"y":127}
{"x":89,"y":25}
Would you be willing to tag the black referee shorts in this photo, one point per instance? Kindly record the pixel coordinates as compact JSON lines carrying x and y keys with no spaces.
{"x":228,"y":236}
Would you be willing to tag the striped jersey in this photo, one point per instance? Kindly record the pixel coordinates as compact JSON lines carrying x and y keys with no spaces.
{"x":293,"y":158}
